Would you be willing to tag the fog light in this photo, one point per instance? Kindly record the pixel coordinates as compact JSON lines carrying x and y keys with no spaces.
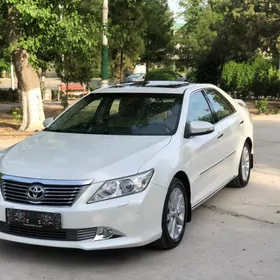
{"x":103,"y":233}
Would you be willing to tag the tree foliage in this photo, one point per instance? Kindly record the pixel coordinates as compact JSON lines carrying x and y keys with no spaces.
{"x":158,"y":34}
{"x":125,"y":30}
{"x":39,"y":32}
{"x":220,"y":31}
{"x":259,"y":77}
{"x":139,"y":31}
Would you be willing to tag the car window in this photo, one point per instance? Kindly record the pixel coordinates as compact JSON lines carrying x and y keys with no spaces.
{"x":221,"y":105}
{"x":122,"y":114}
{"x":85,"y":115}
{"x":115,"y":107}
{"x":199,"y":109}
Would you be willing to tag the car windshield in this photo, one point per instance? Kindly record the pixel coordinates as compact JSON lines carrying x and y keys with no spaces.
{"x":122,"y":114}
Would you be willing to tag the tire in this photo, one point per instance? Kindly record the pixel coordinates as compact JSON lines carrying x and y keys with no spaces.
{"x":242,"y":178}
{"x":167,"y":242}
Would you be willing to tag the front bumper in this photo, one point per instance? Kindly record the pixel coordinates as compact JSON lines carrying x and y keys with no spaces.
{"x":137,"y":217}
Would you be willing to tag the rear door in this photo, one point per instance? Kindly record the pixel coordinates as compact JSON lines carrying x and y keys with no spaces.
{"x":227,"y":124}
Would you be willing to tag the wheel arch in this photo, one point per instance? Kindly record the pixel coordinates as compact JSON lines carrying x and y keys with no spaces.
{"x":182,"y":176}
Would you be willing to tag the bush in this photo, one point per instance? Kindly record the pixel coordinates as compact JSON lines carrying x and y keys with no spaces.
{"x":64,"y":100}
{"x":262,"y":106}
{"x":162,"y":75}
{"x":259,"y":77}
{"x":238,"y":77}
{"x":93,"y":88}
{"x":17,"y":114}
{"x":275,"y":111}
{"x":9,"y":95}
{"x":4,"y":65}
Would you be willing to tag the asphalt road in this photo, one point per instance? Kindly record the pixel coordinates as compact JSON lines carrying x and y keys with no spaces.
{"x":235,"y":235}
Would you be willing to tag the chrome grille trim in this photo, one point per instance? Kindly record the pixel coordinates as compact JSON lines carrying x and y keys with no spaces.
{"x":46,"y":181}
{"x":57,"y":192}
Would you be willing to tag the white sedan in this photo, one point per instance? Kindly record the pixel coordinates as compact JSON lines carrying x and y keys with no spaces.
{"x":125,"y":166}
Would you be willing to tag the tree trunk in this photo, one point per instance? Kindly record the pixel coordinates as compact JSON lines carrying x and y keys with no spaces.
{"x":121,"y":67}
{"x":29,"y":86}
{"x":28,"y":80}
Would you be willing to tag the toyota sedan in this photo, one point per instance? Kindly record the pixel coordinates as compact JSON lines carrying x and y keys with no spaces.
{"x":125,"y":166}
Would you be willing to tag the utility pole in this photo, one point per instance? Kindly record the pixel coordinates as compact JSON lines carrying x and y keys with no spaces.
{"x":105,"y":76}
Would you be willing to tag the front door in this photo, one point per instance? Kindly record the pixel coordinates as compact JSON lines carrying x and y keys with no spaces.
{"x":227,"y":125}
{"x":203,"y":166}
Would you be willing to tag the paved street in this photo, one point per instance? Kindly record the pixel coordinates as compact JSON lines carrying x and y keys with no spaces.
{"x":236,"y":235}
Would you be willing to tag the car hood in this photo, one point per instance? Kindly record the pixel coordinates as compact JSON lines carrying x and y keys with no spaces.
{"x":64,"y":156}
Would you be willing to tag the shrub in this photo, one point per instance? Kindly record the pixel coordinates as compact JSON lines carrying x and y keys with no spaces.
{"x":162,"y":75}
{"x":9,"y":95}
{"x":64,"y":100}
{"x":259,"y":77}
{"x":17,"y":114}
{"x":262,"y":106}
{"x":93,"y":88}
{"x":238,"y":77}
{"x":275,"y":111}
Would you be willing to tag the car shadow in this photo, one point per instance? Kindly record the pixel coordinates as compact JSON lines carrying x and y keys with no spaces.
{"x":18,"y":252}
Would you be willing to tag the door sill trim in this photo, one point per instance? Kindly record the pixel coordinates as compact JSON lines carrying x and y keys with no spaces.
{"x":213,"y":193}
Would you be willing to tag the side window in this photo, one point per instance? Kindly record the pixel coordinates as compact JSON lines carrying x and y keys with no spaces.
{"x":199,"y":109}
{"x":221,"y":105}
{"x":115,"y":107}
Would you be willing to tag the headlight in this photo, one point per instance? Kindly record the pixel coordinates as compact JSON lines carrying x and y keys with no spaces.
{"x":123,"y":186}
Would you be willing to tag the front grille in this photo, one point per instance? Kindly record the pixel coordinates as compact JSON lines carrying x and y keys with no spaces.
{"x":55,"y":195}
{"x":57,"y":235}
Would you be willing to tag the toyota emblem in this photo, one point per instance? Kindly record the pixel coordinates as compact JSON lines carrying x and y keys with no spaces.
{"x":36,"y":193}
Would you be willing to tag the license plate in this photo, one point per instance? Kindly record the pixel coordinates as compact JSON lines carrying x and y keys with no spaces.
{"x":33,"y":219}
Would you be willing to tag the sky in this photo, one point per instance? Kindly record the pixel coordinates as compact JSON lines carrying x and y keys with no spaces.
{"x":174,"y":6}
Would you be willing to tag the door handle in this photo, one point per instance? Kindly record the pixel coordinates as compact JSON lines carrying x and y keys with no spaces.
{"x":241,"y":122}
{"x":220,"y":136}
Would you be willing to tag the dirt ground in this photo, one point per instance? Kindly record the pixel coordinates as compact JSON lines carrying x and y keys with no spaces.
{"x":9,"y":133}
{"x":9,"y":127}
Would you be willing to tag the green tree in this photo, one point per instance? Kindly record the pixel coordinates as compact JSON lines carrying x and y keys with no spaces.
{"x":218,"y":31}
{"x":125,"y":30}
{"x":158,"y":33}
{"x":37,"y":28}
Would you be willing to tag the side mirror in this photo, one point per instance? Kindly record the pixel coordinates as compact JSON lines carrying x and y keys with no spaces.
{"x":198,"y":128}
{"x":47,"y":121}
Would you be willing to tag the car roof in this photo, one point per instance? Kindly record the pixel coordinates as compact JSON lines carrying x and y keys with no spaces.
{"x":174,"y":87}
